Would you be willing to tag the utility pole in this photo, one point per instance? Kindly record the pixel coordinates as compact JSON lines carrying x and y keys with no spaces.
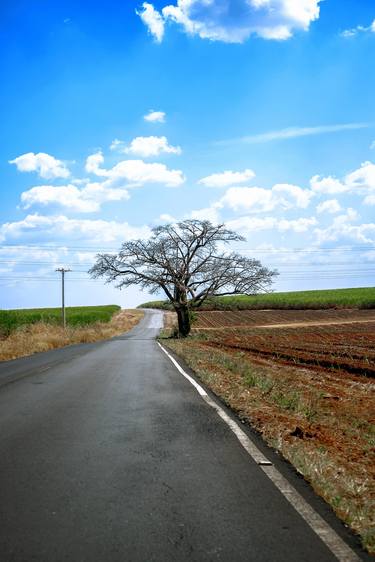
{"x":63,"y":271}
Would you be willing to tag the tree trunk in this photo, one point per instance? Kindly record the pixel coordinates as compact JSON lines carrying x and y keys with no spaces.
{"x":184,"y":321}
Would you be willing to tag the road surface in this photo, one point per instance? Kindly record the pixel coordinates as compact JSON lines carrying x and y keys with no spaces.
{"x":107,"y":453}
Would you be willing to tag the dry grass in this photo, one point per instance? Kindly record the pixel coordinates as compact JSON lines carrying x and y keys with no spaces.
{"x":43,"y":337}
{"x":322,"y":421}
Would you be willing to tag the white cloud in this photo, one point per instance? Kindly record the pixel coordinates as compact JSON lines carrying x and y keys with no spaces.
{"x":259,"y":199}
{"x":138,"y":172}
{"x":227,"y":178}
{"x":131,"y":173}
{"x":152,"y":20}
{"x":165,"y":217}
{"x":59,"y":227}
{"x":369,"y":200}
{"x":45,"y":165}
{"x":364,"y":177}
{"x":146,"y":146}
{"x":327,"y":185}
{"x":93,"y":163}
{"x":85,"y":200}
{"x":117,"y":145}
{"x":292,"y":133}
{"x":248,"y":198}
{"x":359,"y":182}
{"x":210,"y":213}
{"x":255,"y":224}
{"x":155,"y":116}
{"x":297,"y":225}
{"x":234,"y":21}
{"x":329,"y":206}
{"x":344,"y":231}
{"x":298,"y":197}
{"x":359,"y":29}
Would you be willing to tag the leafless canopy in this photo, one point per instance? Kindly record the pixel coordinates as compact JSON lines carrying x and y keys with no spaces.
{"x":187,"y":261}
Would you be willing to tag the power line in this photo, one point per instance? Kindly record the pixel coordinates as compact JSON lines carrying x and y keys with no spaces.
{"x":275,"y":264}
{"x":95,"y":249}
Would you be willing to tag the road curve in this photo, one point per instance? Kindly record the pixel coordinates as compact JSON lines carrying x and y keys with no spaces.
{"x":108,"y":454}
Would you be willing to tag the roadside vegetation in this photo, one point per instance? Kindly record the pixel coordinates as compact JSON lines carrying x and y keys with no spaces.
{"x":10,"y":320}
{"x":305,"y":381}
{"x":300,"y":300}
{"x":25,"y":332}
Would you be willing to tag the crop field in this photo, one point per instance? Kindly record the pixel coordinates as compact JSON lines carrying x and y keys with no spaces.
{"x":305,"y":380}
{"x":330,"y":298}
{"x":10,"y":320}
{"x":362,"y":298}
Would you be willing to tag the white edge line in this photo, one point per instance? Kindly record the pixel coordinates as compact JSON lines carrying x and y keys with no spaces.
{"x":336,"y":545}
{"x":198,"y":387}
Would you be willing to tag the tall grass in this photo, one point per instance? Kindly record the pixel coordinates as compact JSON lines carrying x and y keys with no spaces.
{"x":330,"y":298}
{"x":10,"y":320}
{"x":42,"y":336}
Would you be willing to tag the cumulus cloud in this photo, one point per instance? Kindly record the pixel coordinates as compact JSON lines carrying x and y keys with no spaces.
{"x":146,"y":146}
{"x":343,"y":230}
{"x":364,"y":177}
{"x":327,"y":185}
{"x":255,"y":224}
{"x":137,"y":172}
{"x":329,"y":206}
{"x":85,"y":200}
{"x":233,"y":21}
{"x":93,"y":163}
{"x":46,"y":166}
{"x":259,"y":199}
{"x":152,"y":20}
{"x":360,"y":182}
{"x":227,"y":178}
{"x":209,"y":213}
{"x":130,"y":173}
{"x":292,"y":195}
{"x":58,"y":227}
{"x":155,"y":116}
{"x":83,"y":195}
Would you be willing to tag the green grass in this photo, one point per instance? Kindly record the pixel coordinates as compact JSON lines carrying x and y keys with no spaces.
{"x":330,"y":298}
{"x":10,"y":320}
{"x":163,"y":305}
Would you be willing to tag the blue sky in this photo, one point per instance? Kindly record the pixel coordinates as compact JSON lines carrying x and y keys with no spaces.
{"x":119,"y":116}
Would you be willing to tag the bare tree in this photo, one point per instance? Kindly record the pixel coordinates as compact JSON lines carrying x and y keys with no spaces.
{"x":184,"y":261}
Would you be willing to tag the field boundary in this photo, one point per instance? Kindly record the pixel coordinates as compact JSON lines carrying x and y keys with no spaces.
{"x":288,"y":325}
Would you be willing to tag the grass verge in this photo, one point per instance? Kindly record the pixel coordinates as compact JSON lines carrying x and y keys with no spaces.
{"x":322,"y":422}
{"x":42,"y":336}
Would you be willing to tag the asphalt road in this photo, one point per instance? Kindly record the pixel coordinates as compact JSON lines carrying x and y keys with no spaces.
{"x":108,"y":454}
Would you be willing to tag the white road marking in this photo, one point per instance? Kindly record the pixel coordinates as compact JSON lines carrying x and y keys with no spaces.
{"x":336,"y":545}
{"x":201,"y":390}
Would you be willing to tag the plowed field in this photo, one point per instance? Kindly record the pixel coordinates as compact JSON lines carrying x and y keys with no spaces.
{"x":228,"y":319}
{"x":343,"y":340}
